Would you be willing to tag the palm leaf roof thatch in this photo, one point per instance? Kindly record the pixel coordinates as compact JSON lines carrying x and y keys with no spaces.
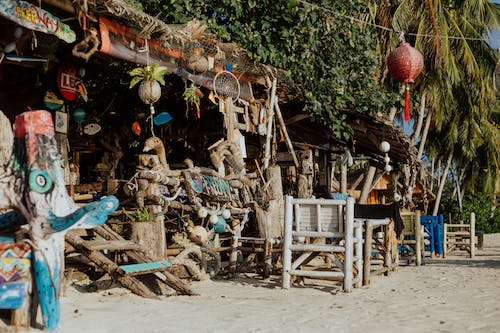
{"x":368,"y":132}
{"x":187,"y":38}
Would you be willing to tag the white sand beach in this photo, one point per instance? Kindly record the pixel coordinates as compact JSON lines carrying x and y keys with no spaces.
{"x":455,"y":294}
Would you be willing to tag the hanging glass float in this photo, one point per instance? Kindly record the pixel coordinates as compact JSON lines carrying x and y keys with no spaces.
{"x":79,"y":115}
{"x":405,"y":64}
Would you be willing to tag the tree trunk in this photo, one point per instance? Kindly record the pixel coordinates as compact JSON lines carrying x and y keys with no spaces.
{"x":424,"y":135}
{"x":420,"y":120}
{"x":367,"y":186}
{"x":441,"y":184}
{"x":343,"y":178}
{"x":438,"y":169}
{"x":270,"y":221}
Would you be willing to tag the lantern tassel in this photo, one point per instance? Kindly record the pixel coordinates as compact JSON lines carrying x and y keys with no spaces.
{"x":407,"y":104}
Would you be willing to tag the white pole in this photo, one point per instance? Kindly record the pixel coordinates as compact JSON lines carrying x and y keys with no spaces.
{"x":348,"y":237}
{"x":287,"y":252}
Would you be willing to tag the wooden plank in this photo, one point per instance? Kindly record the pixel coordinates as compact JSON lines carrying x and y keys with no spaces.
{"x":316,"y":248}
{"x":116,"y":245}
{"x":317,"y":274}
{"x":111,"y":268}
{"x":146,"y":267}
{"x":170,"y":279}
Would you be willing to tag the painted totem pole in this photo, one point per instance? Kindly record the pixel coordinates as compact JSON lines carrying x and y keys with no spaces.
{"x":32,"y":184}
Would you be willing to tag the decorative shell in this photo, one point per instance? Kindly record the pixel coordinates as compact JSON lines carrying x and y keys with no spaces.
{"x":198,"y":235}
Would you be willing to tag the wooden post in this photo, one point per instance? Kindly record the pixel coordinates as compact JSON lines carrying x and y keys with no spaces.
{"x":287,"y":252}
{"x":343,"y":178}
{"x":349,"y":246}
{"x":150,"y":235}
{"x":472,"y":234}
{"x":445,"y":241}
{"x":358,"y":252}
{"x":418,"y":239}
{"x":285,"y":132}
{"x":388,"y":236}
{"x":367,"y":251}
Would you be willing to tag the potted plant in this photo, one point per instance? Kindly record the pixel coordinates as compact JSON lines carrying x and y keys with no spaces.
{"x":192,"y":96}
{"x":150,"y":77}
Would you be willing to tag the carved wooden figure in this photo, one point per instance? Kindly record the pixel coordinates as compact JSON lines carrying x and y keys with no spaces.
{"x":33,"y":184}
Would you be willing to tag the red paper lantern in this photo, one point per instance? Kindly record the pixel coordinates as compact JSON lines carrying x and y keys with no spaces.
{"x":405,"y":63}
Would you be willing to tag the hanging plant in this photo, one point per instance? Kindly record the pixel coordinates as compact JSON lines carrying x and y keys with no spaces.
{"x":150,"y":78}
{"x":192,"y":96}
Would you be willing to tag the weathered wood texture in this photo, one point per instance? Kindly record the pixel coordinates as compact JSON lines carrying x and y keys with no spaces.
{"x":167,"y":277}
{"x":110,"y":267}
{"x":309,"y":219}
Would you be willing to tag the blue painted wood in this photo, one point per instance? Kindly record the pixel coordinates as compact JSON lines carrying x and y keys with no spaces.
{"x":434,"y":228}
{"x":136,"y":268}
{"x":12,"y":294}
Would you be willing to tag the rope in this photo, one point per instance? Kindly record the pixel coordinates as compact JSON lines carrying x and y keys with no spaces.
{"x":386,"y":28}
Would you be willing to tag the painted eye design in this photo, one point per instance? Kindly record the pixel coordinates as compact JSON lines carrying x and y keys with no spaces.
{"x":40,"y":181}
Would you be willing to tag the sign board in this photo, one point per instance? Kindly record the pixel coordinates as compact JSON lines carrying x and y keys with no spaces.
{"x":32,"y":17}
{"x":215,"y":188}
{"x":67,"y":80}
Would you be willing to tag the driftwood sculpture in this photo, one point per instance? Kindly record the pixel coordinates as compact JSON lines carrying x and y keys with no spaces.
{"x":32,"y":184}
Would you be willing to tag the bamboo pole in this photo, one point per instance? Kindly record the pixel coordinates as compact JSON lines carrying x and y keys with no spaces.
{"x":269,"y":130}
{"x":285,"y":132}
{"x":349,"y":245}
{"x":287,"y":251}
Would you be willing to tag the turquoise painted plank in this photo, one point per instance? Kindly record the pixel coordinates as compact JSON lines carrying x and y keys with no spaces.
{"x":12,"y":294}
{"x":134,"y":268}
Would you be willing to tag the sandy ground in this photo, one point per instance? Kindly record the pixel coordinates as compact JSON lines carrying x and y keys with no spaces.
{"x":455,"y":294}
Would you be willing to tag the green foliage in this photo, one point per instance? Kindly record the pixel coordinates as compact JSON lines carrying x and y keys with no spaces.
{"x":481,"y":204}
{"x":152,"y":72}
{"x":140,"y":215}
{"x":191,"y":98}
{"x":331,"y":59}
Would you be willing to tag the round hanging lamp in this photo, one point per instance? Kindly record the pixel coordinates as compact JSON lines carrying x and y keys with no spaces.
{"x":405,"y":64}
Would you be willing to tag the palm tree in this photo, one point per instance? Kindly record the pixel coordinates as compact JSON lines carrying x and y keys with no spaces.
{"x":456,"y":83}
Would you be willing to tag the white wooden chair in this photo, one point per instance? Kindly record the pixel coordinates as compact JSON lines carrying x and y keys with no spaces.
{"x":460,"y":237}
{"x":322,"y":228}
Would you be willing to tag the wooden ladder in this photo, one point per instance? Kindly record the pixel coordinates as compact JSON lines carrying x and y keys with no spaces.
{"x":127,"y":275}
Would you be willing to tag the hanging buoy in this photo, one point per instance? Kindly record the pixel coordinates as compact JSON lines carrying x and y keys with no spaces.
{"x":405,"y":64}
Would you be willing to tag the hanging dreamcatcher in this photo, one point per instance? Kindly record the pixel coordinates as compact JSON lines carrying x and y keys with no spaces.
{"x":226,"y":84}
{"x":405,"y":63}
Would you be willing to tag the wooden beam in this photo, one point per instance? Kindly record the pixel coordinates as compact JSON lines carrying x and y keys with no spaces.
{"x":65,"y":5}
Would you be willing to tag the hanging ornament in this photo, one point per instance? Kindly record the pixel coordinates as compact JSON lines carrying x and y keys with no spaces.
{"x":405,"y":63}
{"x":79,"y":115}
{"x":136,"y":128}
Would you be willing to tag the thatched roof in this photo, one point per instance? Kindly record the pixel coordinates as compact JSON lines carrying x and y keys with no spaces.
{"x":368,"y":132}
{"x":184,"y":38}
